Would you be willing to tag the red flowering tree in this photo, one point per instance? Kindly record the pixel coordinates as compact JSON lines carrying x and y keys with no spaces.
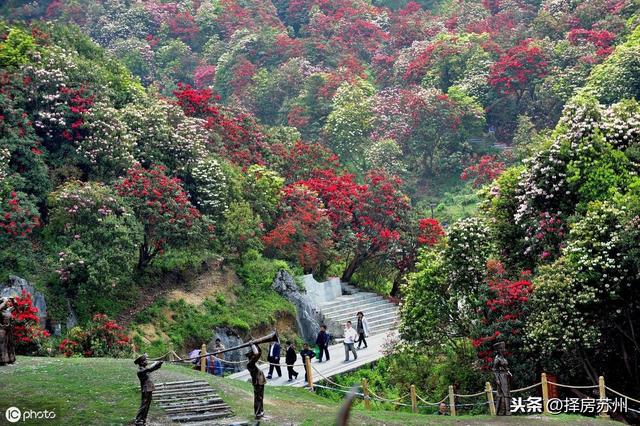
{"x":303,"y":230}
{"x":302,"y":159}
{"x":366,"y":219}
{"x":196,"y":102}
{"x":162,"y":206}
{"x":18,"y":216}
{"x":425,"y":233}
{"x":504,"y":314}
{"x":27,"y":334}
{"x":484,"y":171}
{"x":518,"y":68}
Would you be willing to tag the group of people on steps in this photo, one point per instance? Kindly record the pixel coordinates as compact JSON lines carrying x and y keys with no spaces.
{"x":352,"y":335}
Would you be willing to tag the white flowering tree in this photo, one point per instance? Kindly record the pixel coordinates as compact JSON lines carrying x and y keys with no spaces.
{"x":350,"y":121}
{"x":209,"y":189}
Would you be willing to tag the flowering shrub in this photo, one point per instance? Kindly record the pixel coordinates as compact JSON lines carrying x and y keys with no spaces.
{"x":302,"y":231}
{"x":96,"y":240}
{"x":385,"y":154}
{"x":505,"y":313}
{"x":515,"y":70}
{"x":484,"y":171}
{"x":102,"y":337}
{"x":19,"y":216}
{"x":27,"y":334}
{"x":209,"y":187}
{"x":162,"y":206}
{"x":164,"y":135}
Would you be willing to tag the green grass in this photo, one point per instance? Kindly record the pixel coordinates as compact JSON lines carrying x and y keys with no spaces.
{"x":103,"y":391}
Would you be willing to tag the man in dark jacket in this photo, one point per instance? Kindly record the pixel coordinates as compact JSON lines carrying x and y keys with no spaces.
{"x":304,"y":354}
{"x":290,"y":359}
{"x":323,"y":342}
{"x":274,"y":359}
{"x":258,"y":381}
{"x":146,"y":387}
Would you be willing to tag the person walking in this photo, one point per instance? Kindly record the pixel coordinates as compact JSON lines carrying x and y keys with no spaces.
{"x":363,"y":329}
{"x":258,"y":381}
{"x":322,"y":341}
{"x":304,"y":354}
{"x":290,"y":359}
{"x":350,"y":337}
{"x":274,"y":359}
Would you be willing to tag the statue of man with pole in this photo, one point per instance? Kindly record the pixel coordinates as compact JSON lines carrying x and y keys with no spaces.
{"x":257,"y":379}
{"x":503,"y":380}
{"x":146,"y":387}
{"x":7,"y":348}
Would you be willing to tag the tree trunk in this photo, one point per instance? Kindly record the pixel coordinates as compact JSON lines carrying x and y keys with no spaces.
{"x":351,"y":268}
{"x":397,"y":281}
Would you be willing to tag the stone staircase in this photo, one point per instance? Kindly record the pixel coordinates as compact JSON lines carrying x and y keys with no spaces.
{"x":191,"y":402}
{"x":381,"y":314}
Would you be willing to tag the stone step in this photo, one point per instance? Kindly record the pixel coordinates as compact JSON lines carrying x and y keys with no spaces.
{"x":366,"y":307}
{"x":199,"y":391}
{"x":343,"y":302}
{"x":382,"y":328}
{"x":211,"y":397}
{"x":182,"y":388}
{"x":193,"y":402}
{"x":370,"y":314}
{"x":201,"y":417}
{"x":197,"y":408}
{"x":182,"y":384}
{"x":347,"y":297}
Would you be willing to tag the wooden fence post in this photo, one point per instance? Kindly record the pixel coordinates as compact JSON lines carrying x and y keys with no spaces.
{"x":492,"y":405}
{"x":545,"y":393}
{"x":171,"y":357}
{"x":603,"y":398}
{"x":414,"y":402}
{"x":365,"y":391}
{"x":452,"y":401}
{"x":133,"y":350}
{"x":203,"y":360}
{"x":307,"y":363}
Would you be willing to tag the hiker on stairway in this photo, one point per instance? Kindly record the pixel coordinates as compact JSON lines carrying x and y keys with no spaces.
{"x":257,"y":379}
{"x":274,"y":359}
{"x":290,"y":359}
{"x":363,"y":329}
{"x":322,"y":341}
{"x":350,"y":337}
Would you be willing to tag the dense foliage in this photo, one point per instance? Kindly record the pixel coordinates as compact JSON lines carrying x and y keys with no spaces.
{"x":293,"y":133}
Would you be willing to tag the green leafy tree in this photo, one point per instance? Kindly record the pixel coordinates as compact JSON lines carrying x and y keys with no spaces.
{"x":350,"y":121}
{"x":95,"y":237}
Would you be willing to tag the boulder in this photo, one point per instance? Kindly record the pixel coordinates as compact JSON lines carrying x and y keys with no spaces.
{"x":308,"y":318}
{"x":229,"y":339}
{"x":16,"y":286}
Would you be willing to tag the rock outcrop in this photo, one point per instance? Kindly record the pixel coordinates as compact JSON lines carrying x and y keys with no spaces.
{"x":307,"y":316}
{"x":16,"y":286}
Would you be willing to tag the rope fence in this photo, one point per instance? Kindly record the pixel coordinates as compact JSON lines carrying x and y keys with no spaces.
{"x":411,"y":398}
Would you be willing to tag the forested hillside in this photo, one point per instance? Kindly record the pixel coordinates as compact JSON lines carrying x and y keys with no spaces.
{"x":476,"y":159}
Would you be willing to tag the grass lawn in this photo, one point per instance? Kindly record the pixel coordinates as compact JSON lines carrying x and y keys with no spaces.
{"x":85,"y":391}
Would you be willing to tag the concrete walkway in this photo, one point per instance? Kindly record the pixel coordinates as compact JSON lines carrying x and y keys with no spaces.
{"x":336,"y":365}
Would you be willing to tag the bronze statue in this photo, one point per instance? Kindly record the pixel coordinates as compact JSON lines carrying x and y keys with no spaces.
{"x":257,"y":379}
{"x":503,"y":380}
{"x":7,"y":347}
{"x":146,"y":387}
